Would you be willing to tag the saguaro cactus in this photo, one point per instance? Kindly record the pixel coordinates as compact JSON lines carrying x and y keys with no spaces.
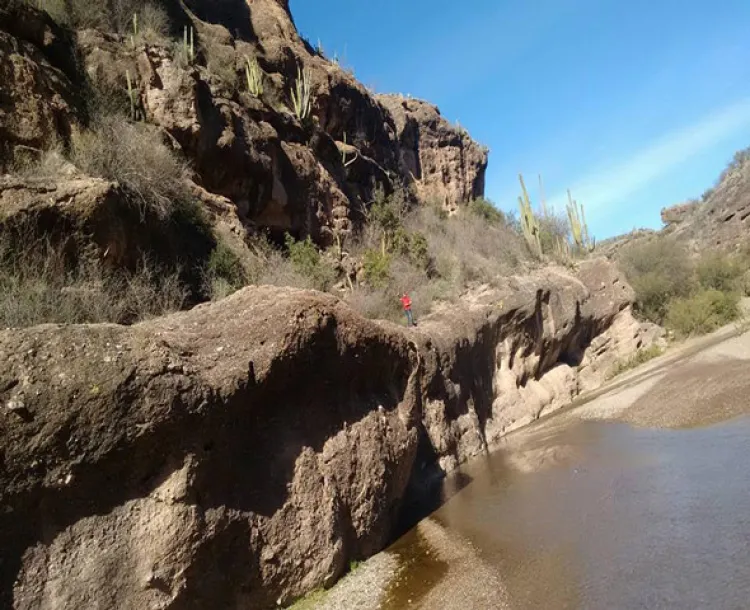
{"x":529,"y":222}
{"x":134,"y":35}
{"x":578,"y":227}
{"x":132,"y":95}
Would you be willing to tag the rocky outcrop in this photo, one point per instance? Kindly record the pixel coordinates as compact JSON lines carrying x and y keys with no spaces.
{"x":225,"y":457}
{"x":314,"y":177}
{"x":676,"y":214}
{"x":504,"y":357}
{"x":718,"y":221}
{"x":447,"y":166}
{"x":39,"y":98}
{"x":242,"y":453}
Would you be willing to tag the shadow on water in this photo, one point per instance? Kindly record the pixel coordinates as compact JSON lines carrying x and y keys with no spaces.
{"x":432,"y":495}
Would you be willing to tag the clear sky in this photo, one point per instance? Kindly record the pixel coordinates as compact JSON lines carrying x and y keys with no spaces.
{"x":634,"y":105}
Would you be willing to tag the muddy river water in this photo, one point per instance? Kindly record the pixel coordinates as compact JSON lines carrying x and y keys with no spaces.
{"x":618,"y":517}
{"x":636,"y":498}
{"x":639,"y":499}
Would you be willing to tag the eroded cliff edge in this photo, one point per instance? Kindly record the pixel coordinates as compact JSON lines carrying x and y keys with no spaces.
{"x":243,"y":453}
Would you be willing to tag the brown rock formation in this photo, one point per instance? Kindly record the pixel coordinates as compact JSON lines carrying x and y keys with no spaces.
{"x":244,"y":452}
{"x":38,"y":96}
{"x":447,"y":166}
{"x":678,"y":213}
{"x":280,"y":173}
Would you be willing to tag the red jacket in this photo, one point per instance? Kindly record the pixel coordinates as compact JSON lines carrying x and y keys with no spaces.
{"x":406,"y":302}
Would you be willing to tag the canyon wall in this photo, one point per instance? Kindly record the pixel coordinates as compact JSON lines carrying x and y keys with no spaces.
{"x":243,"y":453}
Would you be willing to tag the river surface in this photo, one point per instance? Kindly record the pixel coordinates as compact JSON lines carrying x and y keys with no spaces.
{"x":607,"y":516}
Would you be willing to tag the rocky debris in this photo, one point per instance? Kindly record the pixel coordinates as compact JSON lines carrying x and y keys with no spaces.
{"x":243,"y":453}
{"x":448,"y":167}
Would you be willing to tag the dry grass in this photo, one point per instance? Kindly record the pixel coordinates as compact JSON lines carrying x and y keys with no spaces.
{"x":133,"y":155}
{"x":39,"y":285}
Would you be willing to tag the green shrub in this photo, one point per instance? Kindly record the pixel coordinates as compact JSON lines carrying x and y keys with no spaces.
{"x":413,"y":245}
{"x":377,"y":266}
{"x":225,"y":272}
{"x":486,"y":210}
{"x":717,"y":271}
{"x":701,"y":313}
{"x":307,"y":261}
{"x":659,"y":270}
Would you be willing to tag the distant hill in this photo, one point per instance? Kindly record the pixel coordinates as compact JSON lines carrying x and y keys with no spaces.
{"x":719,"y":220}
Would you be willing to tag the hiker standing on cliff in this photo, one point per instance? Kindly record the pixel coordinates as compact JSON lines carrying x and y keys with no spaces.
{"x":406,"y":302}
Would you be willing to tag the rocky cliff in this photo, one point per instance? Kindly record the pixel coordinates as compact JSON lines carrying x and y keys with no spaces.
{"x":243,"y":453}
{"x":307,"y":177}
{"x":240,"y":454}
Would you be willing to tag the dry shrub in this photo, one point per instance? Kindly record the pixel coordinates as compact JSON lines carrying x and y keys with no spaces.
{"x":153,"y":24}
{"x":38,"y":285}
{"x":135,"y":156}
{"x":43,"y":165}
{"x":468,"y":250}
{"x":430,"y":256}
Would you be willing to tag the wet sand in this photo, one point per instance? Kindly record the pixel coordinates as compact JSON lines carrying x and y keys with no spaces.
{"x":478,"y":551}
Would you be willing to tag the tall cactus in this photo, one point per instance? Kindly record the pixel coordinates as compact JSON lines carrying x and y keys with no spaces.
{"x":301,"y":94}
{"x":254,"y":76}
{"x":529,"y":222}
{"x":188,"y":43}
{"x":578,"y":226}
{"x":134,"y":35}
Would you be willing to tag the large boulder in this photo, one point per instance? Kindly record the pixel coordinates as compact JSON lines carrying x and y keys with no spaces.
{"x":447,"y":166}
{"x":228,"y":457}
{"x":243,"y":453}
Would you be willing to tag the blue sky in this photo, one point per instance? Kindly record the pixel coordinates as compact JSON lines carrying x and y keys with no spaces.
{"x":633,"y":105}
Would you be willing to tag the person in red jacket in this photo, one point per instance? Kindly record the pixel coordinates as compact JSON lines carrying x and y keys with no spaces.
{"x":406,"y":303}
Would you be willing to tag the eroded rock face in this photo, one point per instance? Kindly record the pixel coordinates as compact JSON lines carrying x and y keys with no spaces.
{"x":38,"y":98}
{"x":312,"y":177}
{"x":504,"y":357}
{"x":244,"y":452}
{"x":225,"y":457}
{"x":448,"y":167}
